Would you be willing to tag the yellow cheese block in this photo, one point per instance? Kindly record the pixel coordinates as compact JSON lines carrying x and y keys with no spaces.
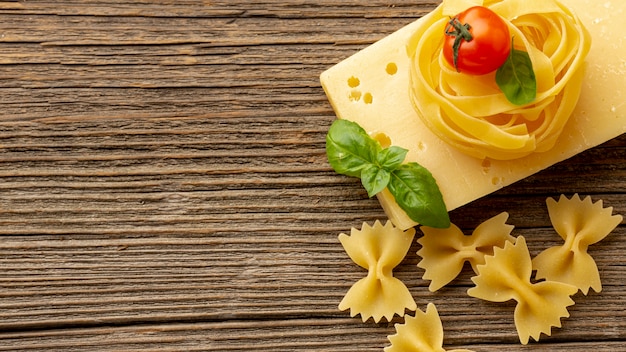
{"x":372,"y":88}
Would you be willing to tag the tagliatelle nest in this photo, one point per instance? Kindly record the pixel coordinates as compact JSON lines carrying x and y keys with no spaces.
{"x":470,"y":112}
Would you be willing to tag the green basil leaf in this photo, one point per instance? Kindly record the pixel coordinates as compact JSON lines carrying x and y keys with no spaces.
{"x":374,"y":179}
{"x":516,"y":78}
{"x":391,"y":158}
{"x":352,"y":152}
{"x":417,"y":193}
{"x":349,"y":148}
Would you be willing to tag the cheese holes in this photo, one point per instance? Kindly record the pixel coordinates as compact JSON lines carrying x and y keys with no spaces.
{"x":497,"y":180}
{"x":353,"y":82}
{"x":382,"y":138}
{"x":391,"y":68}
{"x":368,"y":98}
{"x":355,"y":95}
{"x":486,"y":164}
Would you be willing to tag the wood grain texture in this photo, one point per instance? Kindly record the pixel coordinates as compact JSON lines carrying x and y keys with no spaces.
{"x":164,"y":186}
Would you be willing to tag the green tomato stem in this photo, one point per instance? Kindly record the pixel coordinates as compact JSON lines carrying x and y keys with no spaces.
{"x":460,"y":32}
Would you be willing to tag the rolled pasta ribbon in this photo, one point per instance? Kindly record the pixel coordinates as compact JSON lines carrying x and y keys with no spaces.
{"x":470,"y":112}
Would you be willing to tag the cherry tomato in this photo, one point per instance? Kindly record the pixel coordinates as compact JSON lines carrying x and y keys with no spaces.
{"x":481,"y":40}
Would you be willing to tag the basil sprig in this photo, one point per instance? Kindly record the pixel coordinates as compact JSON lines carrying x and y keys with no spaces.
{"x":352,"y":152}
{"x":516,"y":78}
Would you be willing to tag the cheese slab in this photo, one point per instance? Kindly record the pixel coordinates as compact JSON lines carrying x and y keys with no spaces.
{"x":371,"y":88}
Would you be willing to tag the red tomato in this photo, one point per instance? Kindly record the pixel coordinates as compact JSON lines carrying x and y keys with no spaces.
{"x":481,"y":38}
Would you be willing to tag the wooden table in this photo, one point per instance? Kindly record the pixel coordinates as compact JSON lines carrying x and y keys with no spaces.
{"x":164,"y":186}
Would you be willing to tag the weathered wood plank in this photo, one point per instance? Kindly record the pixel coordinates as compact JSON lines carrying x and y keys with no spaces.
{"x":163,"y":185}
{"x":225,"y":8}
{"x":293,"y":335}
{"x":129,"y":279}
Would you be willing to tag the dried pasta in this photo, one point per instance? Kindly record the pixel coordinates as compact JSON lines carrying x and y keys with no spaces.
{"x":422,"y":333}
{"x":506,"y":275}
{"x":470,"y":112}
{"x":379,"y":249}
{"x":445,"y":251}
{"x":580,"y":223}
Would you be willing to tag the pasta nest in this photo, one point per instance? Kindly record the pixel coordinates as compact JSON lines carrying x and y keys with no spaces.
{"x":470,"y":112}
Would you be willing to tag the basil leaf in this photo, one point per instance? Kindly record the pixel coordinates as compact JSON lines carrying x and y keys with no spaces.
{"x":391,"y":158}
{"x":516,"y":78}
{"x":374,"y":179}
{"x":352,"y":152}
{"x":417,"y":193}
{"x":349,"y":148}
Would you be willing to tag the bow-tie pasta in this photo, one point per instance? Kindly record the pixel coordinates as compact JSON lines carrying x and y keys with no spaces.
{"x":580,"y":223}
{"x":422,"y":333}
{"x":379,"y":249}
{"x":470,"y":112}
{"x":445,"y":251}
{"x":506,"y":275}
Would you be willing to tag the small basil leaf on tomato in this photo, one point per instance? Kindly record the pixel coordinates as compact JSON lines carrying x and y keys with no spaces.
{"x":374,"y":179}
{"x":416,"y":192}
{"x":516,"y":78}
{"x":349,"y":148}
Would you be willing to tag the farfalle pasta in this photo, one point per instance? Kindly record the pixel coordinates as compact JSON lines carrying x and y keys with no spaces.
{"x":580,"y":223}
{"x":470,"y":112}
{"x":379,"y":249}
{"x":421,"y":333}
{"x":445,"y":251}
{"x":506,"y":275}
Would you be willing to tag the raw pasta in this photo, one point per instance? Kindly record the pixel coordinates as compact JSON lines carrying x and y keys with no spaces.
{"x":379,"y":249}
{"x":445,"y":251}
{"x":580,"y":223}
{"x":470,"y":112}
{"x":506,"y":275}
{"x":422,"y":333}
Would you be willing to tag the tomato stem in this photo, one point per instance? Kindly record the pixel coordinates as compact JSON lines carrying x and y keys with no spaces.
{"x":460,"y":32}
